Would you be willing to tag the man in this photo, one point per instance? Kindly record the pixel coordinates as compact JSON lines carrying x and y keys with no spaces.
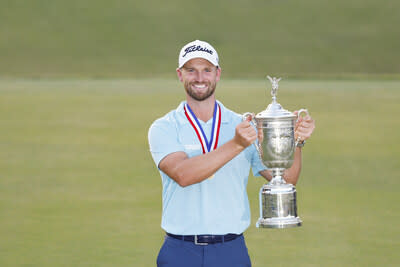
{"x":204,"y":153}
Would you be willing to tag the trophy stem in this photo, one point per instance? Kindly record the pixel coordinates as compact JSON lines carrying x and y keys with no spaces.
{"x":277,"y":176}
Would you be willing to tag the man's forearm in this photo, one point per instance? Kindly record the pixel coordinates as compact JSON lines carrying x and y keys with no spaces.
{"x":292,"y":174}
{"x":196,"y":169}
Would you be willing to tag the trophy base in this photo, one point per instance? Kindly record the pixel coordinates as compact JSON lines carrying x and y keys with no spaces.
{"x":284,"y":222}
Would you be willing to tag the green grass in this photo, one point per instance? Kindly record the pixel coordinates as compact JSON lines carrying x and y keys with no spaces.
{"x":123,"y":38}
{"x":78,"y":186}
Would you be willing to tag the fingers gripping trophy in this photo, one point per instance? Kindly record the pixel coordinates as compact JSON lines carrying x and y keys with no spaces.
{"x":276,"y":146}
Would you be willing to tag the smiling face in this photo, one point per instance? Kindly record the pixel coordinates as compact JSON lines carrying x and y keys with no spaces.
{"x":199,"y":77}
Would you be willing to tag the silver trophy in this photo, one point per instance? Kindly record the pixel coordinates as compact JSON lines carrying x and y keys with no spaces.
{"x":278,"y":207}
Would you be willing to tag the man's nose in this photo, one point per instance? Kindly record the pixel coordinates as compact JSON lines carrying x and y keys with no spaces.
{"x":199,"y":76}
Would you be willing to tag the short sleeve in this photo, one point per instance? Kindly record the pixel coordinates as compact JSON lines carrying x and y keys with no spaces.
{"x":163,"y":139}
{"x":256,"y":163}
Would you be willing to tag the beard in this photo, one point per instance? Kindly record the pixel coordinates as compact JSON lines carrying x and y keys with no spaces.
{"x":200,"y":96}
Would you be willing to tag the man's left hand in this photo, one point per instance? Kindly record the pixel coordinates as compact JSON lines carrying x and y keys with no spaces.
{"x":304,"y":127}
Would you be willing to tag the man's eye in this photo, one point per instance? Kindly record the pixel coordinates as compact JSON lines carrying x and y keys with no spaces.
{"x":207,"y":70}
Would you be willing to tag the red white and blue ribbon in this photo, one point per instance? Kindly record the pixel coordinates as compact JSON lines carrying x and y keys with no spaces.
{"x":206,"y":145}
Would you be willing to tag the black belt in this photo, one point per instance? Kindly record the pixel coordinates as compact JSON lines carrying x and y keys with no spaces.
{"x":205,"y":239}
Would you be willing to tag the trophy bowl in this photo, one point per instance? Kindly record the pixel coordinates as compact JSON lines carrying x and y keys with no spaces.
{"x":278,"y":142}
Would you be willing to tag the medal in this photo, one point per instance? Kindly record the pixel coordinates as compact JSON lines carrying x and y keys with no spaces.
{"x":207,"y":146}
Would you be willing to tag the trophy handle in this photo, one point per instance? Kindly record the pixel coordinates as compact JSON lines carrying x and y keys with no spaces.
{"x":245,"y":117}
{"x":301,"y":111}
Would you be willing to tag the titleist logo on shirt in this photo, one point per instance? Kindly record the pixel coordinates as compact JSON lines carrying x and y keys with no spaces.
{"x":194,"y":48}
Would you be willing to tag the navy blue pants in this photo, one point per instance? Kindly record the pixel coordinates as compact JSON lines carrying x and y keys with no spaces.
{"x":179,"y":253}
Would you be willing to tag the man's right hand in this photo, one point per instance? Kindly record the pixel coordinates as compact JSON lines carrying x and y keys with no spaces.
{"x":245,"y":134}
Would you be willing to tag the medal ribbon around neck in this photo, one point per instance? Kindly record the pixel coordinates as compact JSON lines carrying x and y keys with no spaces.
{"x":216,"y":125}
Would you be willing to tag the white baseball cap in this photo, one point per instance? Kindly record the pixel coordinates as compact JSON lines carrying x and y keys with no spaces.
{"x":198,"y":49}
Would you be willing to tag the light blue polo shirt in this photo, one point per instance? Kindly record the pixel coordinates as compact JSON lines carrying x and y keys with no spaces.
{"x":214,"y":206}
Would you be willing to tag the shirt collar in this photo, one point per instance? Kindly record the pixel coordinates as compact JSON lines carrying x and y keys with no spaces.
{"x":182,"y":117}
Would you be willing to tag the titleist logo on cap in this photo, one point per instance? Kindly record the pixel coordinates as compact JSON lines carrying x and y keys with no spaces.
{"x":194,"y":48}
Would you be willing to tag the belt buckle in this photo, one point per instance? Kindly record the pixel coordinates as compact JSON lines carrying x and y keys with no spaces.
{"x":198,"y":243}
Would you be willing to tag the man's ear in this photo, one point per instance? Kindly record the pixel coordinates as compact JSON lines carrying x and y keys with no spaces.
{"x":179,"y":73}
{"x":218,"y":74}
